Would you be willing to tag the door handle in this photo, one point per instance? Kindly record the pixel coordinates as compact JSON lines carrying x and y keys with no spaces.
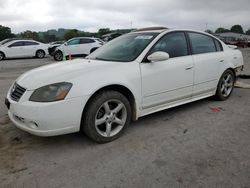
{"x":188,"y":68}
{"x":222,"y":60}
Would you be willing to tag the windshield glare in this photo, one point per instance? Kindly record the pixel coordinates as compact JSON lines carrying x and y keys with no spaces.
{"x":125,"y":48}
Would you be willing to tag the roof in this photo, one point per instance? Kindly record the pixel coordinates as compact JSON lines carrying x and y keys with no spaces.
{"x":151,"y":29}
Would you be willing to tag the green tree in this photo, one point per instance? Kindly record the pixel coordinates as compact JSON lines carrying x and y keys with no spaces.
{"x":209,"y":31}
{"x":221,"y":30}
{"x":49,"y":38}
{"x":103,"y":31}
{"x":237,"y":29}
{"x":5,"y":32}
{"x":248,"y":32}
{"x":71,"y":34}
{"x":30,"y":35}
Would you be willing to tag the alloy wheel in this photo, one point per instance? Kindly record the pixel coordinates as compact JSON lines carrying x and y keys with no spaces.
{"x":110,"y":118}
{"x":227,"y":85}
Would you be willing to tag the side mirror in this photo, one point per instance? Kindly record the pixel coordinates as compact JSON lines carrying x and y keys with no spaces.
{"x":158,"y":56}
{"x":65,"y":44}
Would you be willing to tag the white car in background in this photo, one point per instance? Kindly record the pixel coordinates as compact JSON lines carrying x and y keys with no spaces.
{"x":19,"y":48}
{"x":78,"y":46}
{"x":129,"y":77}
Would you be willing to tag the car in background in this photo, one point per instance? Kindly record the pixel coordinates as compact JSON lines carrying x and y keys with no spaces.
{"x":53,"y":45}
{"x":6,"y":40}
{"x":239,"y":42}
{"x":129,"y":77}
{"x":19,"y":48}
{"x":79,"y":46}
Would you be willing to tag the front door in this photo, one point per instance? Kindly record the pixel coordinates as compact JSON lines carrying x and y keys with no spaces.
{"x":170,"y":81}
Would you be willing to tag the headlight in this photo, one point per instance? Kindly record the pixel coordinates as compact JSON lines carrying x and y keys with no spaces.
{"x":50,"y":93}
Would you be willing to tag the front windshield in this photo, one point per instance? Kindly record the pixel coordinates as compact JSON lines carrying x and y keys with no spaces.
{"x":125,"y":48}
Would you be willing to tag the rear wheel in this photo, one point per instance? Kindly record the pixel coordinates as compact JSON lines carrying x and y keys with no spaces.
{"x":1,"y":56}
{"x":40,"y":54}
{"x":106,"y":117}
{"x":225,"y":85}
{"x":58,"y":55}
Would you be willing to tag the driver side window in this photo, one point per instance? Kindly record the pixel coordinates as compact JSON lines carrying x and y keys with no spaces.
{"x":174,"y":44}
{"x":73,"y":42}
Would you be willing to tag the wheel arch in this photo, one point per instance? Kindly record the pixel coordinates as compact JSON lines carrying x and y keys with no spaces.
{"x":41,"y":50}
{"x":121,"y":89}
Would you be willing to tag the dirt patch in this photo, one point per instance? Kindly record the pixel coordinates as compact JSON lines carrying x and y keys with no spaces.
{"x":4,"y":120}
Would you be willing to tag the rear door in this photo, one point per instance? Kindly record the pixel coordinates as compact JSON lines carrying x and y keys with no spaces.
{"x":86,"y":45}
{"x":208,"y":60}
{"x":30,"y":48}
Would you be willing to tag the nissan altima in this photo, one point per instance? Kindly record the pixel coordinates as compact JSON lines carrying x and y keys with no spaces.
{"x":134,"y":75}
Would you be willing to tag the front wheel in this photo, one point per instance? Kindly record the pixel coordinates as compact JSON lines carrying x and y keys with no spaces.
{"x":58,"y":56}
{"x":225,"y":85}
{"x":107,"y":116}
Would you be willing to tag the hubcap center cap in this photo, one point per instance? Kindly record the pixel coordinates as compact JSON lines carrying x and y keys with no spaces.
{"x":110,"y":118}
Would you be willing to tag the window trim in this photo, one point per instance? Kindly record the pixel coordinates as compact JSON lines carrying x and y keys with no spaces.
{"x":216,"y":40}
{"x":145,"y":60}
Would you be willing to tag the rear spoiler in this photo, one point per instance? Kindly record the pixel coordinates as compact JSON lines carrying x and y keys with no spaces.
{"x":232,"y":46}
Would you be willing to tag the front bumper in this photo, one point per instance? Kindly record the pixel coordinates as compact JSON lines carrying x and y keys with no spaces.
{"x":47,"y":119}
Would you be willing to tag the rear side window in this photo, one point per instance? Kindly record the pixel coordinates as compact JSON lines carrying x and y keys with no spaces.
{"x":30,"y":43}
{"x":174,"y":44}
{"x":86,"y":41}
{"x":218,"y":45}
{"x":201,"y":43}
{"x":16,"y":44}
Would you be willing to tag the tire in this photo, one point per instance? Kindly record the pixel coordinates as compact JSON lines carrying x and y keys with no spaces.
{"x":40,"y":54}
{"x":225,"y":86}
{"x":2,"y":56}
{"x":58,"y":55}
{"x":106,"y":117}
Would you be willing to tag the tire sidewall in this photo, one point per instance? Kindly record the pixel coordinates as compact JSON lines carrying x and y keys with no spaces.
{"x":89,"y":118}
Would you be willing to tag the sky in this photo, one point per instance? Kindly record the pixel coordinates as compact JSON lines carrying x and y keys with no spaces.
{"x":90,"y":15}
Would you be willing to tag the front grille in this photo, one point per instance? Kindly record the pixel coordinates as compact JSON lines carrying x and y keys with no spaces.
{"x":16,"y":92}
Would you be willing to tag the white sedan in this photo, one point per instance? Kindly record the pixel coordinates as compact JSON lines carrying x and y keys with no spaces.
{"x":134,"y":75}
{"x":18,"y":48}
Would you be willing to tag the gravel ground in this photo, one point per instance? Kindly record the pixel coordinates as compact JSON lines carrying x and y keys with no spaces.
{"x":188,"y":146}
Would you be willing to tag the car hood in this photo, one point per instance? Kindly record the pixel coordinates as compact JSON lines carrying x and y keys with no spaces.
{"x":60,"y":72}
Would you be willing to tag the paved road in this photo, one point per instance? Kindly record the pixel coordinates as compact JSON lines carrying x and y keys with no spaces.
{"x":189,"y":146}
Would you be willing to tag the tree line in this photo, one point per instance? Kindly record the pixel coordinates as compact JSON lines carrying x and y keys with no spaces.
{"x":51,"y":35}
{"x":65,"y":34}
{"x":234,"y":29}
